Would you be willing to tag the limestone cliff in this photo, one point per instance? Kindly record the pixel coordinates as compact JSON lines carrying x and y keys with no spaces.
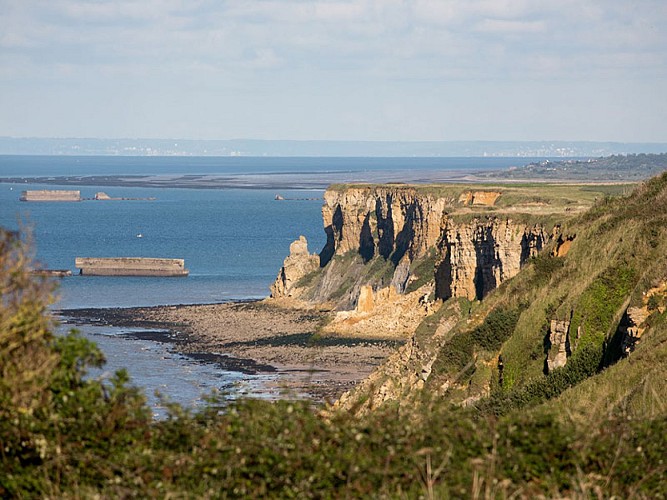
{"x":476,"y":257}
{"x":593,"y":294}
{"x":393,"y":250}
{"x":392,"y":230}
{"x":388,"y":221}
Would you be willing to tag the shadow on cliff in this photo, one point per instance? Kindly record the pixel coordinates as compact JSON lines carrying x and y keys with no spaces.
{"x":366,"y":242}
{"x":336,"y":227}
{"x":385,"y":229}
{"x":405,"y":236}
{"x":487,"y":261}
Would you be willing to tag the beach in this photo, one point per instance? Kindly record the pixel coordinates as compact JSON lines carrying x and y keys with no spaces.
{"x":254,"y":337}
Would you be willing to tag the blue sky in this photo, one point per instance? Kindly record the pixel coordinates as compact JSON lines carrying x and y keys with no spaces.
{"x":343,"y":70}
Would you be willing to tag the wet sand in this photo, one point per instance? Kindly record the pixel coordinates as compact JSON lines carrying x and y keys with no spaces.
{"x":254,"y":337}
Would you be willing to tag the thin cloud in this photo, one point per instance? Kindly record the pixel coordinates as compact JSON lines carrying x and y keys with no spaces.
{"x":355,"y":53}
{"x":505,"y":27}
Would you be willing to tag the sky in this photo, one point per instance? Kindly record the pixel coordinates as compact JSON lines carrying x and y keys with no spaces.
{"x":388,"y":70}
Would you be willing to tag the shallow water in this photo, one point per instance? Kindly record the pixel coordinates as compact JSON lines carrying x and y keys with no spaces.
{"x":233,"y":241}
{"x":165,"y":375}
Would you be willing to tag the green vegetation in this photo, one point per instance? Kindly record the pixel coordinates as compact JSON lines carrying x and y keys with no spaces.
{"x":545,"y":266}
{"x":599,"y":304}
{"x":457,"y":356}
{"x":580,"y":367}
{"x":529,"y":200}
{"x":423,"y":270}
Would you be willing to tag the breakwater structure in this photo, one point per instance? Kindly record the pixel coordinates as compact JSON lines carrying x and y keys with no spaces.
{"x":50,"y":195}
{"x":130,"y":266}
{"x":52,"y":273}
{"x":102,"y":196}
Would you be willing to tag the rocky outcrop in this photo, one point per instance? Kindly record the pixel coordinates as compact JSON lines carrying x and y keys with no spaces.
{"x":632,"y":327}
{"x":366,"y":301}
{"x":563,"y":242}
{"x":382,"y":313}
{"x":479,"y":198}
{"x":401,"y":275}
{"x":406,"y":370}
{"x":298,"y":264}
{"x":559,"y":341}
{"x":476,"y":257}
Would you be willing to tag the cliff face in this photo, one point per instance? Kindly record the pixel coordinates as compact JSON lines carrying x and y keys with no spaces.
{"x":594,"y":296}
{"x":403,"y":226}
{"x":476,"y":257}
{"x":297,"y":265}
{"x":385,"y":221}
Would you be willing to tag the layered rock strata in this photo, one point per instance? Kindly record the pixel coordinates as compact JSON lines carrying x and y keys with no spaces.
{"x":385,"y":221}
{"x":476,"y":257}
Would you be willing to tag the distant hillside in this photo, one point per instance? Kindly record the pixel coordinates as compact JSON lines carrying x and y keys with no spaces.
{"x":329,"y":148}
{"x":631,"y":167}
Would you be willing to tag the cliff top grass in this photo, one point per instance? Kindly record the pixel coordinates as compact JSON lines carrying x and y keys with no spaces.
{"x":528,"y":198}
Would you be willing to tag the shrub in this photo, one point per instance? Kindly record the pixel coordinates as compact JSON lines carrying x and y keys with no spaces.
{"x":457,"y":354}
{"x":51,"y":416}
{"x":653,"y":302}
{"x":584,"y":364}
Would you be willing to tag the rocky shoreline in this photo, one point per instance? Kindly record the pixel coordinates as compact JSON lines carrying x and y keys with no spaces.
{"x":254,"y":337}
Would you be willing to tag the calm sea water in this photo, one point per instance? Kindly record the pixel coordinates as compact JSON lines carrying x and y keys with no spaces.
{"x":233,"y":243}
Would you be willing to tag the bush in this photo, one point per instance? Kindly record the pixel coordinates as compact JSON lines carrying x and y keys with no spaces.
{"x":585,"y":363}
{"x":458,"y":354}
{"x":52,"y":418}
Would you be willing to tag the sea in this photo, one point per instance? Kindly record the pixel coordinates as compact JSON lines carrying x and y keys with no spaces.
{"x":233,"y":242}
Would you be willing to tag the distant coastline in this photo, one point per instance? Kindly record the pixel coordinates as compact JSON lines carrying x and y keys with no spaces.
{"x":77,"y":146}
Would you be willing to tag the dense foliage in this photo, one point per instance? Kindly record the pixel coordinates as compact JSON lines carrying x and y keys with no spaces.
{"x":458,"y":354}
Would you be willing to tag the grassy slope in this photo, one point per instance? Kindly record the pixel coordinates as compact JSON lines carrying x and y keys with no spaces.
{"x":528,"y":196}
{"x":620,"y":251}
